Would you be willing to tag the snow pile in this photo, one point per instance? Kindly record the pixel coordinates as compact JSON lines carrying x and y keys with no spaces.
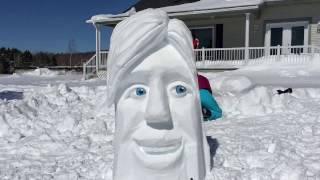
{"x":56,"y":133}
{"x":282,"y":145}
{"x":264,"y":135}
{"x":277,"y":74}
{"x":257,"y":102}
{"x":231,"y":84}
{"x":316,"y":60}
{"x":240,"y":97}
{"x":42,"y":72}
{"x":64,"y":132}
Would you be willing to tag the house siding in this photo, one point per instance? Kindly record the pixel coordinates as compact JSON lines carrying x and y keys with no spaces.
{"x":234,"y":32}
{"x":315,"y":36}
{"x":310,"y":11}
{"x":234,"y":26}
{"x":233,"y":29}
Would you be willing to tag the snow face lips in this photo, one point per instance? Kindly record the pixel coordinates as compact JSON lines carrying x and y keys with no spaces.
{"x":159,"y":146}
{"x":158,"y":153}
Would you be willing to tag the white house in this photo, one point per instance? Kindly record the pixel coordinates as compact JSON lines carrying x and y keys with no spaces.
{"x":232,"y":32}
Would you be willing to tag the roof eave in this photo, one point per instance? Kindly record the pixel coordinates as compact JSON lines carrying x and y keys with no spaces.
{"x":210,"y":11}
{"x":106,"y":21}
{"x":115,"y":20}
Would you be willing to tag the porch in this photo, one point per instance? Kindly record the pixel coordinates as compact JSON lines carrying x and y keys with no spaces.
{"x":234,"y":35}
{"x":212,"y":51}
{"x":225,"y":58}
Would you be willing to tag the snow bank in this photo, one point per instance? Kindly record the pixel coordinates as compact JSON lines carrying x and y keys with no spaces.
{"x":231,"y":84}
{"x":268,"y":137}
{"x":264,"y":135}
{"x":239,"y":97}
{"x":63,"y":132}
{"x":56,"y":132}
{"x":42,"y":72}
{"x":316,"y":61}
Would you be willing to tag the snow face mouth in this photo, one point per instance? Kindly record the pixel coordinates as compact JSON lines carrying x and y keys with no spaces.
{"x":159,"y":150}
{"x":159,"y":147}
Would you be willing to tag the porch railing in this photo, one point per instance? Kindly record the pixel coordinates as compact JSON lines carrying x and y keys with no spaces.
{"x":235,"y":57}
{"x":229,"y":57}
{"x":90,"y":67}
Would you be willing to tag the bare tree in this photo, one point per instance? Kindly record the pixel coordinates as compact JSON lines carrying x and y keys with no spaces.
{"x":71,"y":50}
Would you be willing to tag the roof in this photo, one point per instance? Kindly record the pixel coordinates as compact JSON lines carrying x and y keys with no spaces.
{"x":211,"y":4}
{"x":145,"y":4}
{"x":198,"y":7}
{"x":111,"y":17}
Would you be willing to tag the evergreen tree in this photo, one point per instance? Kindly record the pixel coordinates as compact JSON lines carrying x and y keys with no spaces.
{"x":26,"y":58}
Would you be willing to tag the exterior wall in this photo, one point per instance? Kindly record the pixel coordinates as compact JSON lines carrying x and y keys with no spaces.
{"x":315,"y":36}
{"x":233,"y":29}
{"x":233,"y":32}
{"x":309,"y":11}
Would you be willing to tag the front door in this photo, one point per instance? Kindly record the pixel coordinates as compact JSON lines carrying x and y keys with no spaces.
{"x":287,"y":34}
{"x":205,"y":35}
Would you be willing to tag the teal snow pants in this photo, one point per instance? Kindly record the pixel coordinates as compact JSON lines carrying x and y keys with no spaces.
{"x":209,"y":103}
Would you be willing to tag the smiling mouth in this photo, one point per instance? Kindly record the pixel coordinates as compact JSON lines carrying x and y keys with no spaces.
{"x":159,"y":147}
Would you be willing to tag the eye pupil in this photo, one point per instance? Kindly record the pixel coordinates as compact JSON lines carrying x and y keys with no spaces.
{"x":140,"y":91}
{"x":181,"y":89}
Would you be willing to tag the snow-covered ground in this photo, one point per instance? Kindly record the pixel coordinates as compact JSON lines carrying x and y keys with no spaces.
{"x":60,"y":127}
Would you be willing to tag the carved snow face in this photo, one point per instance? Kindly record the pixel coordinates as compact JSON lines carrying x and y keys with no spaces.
{"x":158,"y":126}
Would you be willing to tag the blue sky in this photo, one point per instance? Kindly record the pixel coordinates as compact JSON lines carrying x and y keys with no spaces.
{"x":48,"y":25}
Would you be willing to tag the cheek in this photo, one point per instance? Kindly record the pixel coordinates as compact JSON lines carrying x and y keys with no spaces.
{"x":186,"y":114}
{"x":183,"y":107}
{"x":129,"y":114}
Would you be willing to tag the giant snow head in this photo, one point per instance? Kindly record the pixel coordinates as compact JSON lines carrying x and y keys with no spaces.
{"x":153,"y":84}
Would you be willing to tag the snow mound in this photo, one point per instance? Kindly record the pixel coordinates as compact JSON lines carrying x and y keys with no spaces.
{"x":42,"y":72}
{"x":231,"y":84}
{"x":316,"y":60}
{"x":262,"y":101}
{"x":256,"y":102}
{"x":64,"y":132}
{"x":56,"y":132}
{"x":239,"y":97}
{"x":272,"y":136}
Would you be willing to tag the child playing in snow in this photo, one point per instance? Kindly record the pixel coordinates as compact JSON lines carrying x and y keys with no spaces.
{"x":210,"y":108}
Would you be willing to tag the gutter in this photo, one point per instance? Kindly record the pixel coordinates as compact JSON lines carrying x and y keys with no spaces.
{"x":252,"y":7}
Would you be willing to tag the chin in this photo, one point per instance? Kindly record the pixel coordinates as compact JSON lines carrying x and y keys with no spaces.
{"x":159,"y":154}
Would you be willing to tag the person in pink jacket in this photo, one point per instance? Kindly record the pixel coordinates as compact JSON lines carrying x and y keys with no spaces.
{"x":210,"y":107}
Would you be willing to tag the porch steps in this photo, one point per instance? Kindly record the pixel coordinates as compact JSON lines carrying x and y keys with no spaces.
{"x":102,"y":74}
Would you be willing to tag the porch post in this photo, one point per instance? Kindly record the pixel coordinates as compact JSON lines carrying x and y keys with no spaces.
{"x":98,"y":45}
{"x":247,"y":36}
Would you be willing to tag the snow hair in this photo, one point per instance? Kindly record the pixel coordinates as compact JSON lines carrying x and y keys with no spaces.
{"x":140,"y":35}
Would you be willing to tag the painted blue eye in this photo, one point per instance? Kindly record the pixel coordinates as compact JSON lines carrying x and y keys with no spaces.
{"x":140,"y":91}
{"x":181,"y":90}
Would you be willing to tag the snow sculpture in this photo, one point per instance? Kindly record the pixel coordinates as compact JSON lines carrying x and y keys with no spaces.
{"x":152,"y":82}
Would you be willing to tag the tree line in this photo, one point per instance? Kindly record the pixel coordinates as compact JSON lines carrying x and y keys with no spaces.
{"x":26,"y":59}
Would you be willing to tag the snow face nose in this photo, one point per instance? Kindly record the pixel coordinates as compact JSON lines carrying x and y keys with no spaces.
{"x":158,"y":110}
